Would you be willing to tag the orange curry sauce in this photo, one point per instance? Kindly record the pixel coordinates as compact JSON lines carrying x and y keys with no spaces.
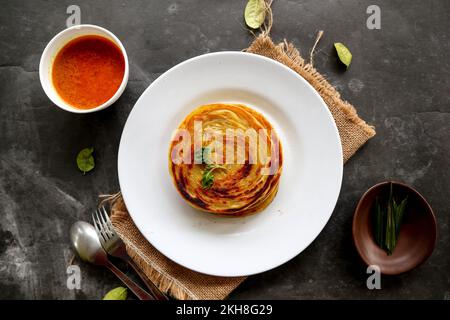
{"x":87,"y":71}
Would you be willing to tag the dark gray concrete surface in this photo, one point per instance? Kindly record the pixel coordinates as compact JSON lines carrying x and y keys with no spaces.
{"x":399,"y":81}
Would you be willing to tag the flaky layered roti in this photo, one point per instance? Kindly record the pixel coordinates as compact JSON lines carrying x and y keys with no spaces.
{"x":217,"y":166}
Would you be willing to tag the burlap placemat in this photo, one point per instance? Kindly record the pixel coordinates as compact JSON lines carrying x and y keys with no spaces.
{"x":182,"y":283}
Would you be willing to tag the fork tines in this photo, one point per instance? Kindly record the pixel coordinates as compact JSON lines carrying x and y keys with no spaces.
{"x":103,"y":225}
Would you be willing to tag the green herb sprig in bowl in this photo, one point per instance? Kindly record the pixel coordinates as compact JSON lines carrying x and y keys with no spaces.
{"x":388,"y":219}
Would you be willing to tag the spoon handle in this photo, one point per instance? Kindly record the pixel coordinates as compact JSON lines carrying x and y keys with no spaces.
{"x":135,"y":288}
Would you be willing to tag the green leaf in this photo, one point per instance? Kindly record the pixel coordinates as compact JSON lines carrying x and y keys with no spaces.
{"x":388,"y":220}
{"x":399,"y":215}
{"x":207,"y":179}
{"x":208,"y":176}
{"x":85,"y":160}
{"x":390,"y":229}
{"x":119,"y":293}
{"x":343,"y":53}
{"x":204,"y":157}
{"x":378,"y":223}
{"x":255,"y":13}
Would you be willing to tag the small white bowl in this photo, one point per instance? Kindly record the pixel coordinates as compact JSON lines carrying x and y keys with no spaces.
{"x":52,"y":49}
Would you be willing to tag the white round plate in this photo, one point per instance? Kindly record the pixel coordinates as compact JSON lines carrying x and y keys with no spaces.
{"x":309,"y":185}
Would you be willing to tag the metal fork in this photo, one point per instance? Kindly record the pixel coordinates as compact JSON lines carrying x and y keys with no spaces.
{"x":115,"y":247}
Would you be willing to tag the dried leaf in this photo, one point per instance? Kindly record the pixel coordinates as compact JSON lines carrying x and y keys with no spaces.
{"x":343,"y":53}
{"x":255,"y":13}
{"x":119,"y":293}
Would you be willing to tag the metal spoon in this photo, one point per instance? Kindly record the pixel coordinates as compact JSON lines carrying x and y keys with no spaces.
{"x":86,"y":243}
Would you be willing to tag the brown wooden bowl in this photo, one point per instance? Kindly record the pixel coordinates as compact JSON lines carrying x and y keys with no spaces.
{"x":417,"y":236}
